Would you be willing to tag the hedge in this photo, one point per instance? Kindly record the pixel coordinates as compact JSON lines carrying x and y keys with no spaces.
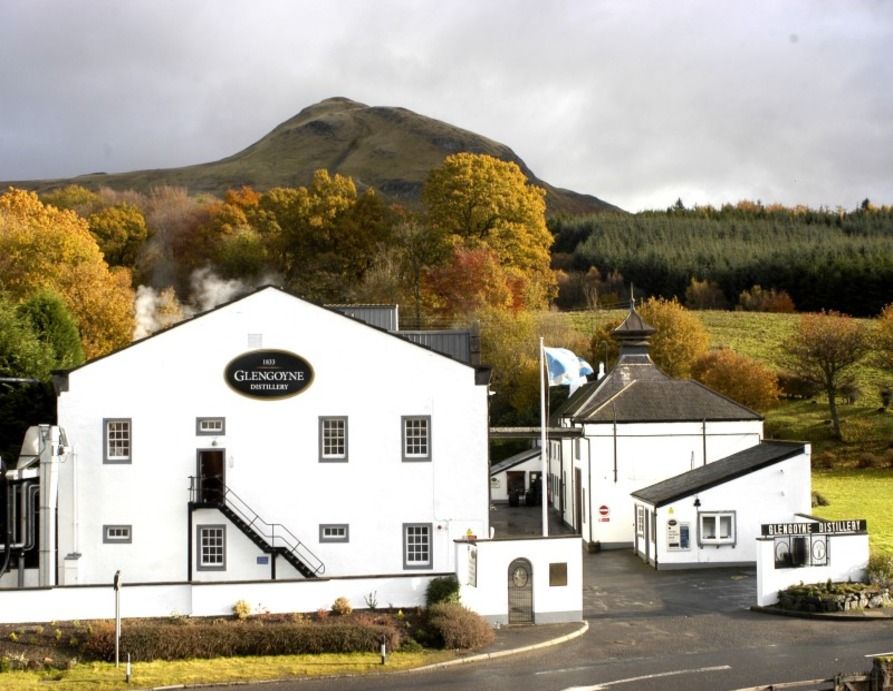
{"x":457,"y":627}
{"x":151,"y":641}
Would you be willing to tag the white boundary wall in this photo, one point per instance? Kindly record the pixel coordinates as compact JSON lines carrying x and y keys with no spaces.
{"x":847,"y":560}
{"x":551,"y":604}
{"x":32,"y":605}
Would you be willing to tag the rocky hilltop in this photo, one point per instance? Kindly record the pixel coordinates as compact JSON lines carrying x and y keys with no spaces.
{"x":387,"y":148}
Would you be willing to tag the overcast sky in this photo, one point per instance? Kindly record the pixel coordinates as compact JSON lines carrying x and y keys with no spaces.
{"x":635,"y":102}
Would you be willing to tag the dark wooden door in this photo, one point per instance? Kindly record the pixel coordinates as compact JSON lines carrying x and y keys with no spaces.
{"x":211,"y":476}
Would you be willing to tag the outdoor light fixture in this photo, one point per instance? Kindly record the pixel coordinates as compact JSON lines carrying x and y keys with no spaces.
{"x":697,"y":503}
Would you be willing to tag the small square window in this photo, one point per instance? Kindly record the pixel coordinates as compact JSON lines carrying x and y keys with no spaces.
{"x":417,"y":438}
{"x":333,"y":439}
{"x":210,"y":426}
{"x":211,"y":541}
{"x":121,"y":534}
{"x":417,"y":549}
{"x":334,"y":532}
{"x":117,"y":440}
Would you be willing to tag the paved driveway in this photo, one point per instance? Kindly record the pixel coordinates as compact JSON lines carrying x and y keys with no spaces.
{"x":618,"y":584}
{"x":654,"y":631}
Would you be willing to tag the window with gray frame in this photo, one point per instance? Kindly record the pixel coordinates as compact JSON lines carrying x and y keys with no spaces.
{"x":211,"y":541}
{"x":334,"y":532}
{"x":117,"y":440}
{"x":417,"y":547}
{"x":417,"y":438}
{"x":209,"y":426}
{"x":120,"y":534}
{"x":333,"y":439}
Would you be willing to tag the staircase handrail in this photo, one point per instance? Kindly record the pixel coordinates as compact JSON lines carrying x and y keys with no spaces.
{"x":289,"y":541}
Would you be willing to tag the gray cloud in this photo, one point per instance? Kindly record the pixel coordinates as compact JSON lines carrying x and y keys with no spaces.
{"x":636,"y":102}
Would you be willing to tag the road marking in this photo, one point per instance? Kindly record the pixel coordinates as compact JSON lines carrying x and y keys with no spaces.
{"x":879,"y":655}
{"x":644,"y":677}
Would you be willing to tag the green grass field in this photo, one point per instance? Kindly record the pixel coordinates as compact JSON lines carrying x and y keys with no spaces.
{"x":859,"y":494}
{"x":853,"y":493}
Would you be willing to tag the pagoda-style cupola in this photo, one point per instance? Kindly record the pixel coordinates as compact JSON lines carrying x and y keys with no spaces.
{"x":633,"y":336}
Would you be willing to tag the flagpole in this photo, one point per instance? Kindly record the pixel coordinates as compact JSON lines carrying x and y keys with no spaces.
{"x":544,"y":469}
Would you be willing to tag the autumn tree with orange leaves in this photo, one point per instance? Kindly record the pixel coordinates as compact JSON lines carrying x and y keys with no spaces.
{"x":486,"y":207}
{"x":824,"y":350}
{"x":743,"y":379}
{"x":42,"y":247}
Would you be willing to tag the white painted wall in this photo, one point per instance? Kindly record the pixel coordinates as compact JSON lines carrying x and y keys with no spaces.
{"x":207,"y":599}
{"x":499,"y":481}
{"x":847,"y":561}
{"x":271,"y":446}
{"x":647,"y":453}
{"x":551,"y":604}
{"x":770,"y":495}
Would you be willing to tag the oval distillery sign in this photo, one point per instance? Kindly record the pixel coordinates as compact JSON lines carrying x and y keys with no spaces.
{"x":269,"y":374}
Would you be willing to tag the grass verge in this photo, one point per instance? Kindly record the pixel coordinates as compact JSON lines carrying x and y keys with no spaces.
{"x":101,"y":675}
{"x":859,"y":494}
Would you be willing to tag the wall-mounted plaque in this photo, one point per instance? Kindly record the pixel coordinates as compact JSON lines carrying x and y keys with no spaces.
{"x":269,"y":374}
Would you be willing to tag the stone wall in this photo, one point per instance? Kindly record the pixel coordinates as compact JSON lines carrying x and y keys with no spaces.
{"x":820,"y":598}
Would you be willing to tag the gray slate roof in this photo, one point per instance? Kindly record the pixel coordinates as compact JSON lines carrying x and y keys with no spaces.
{"x":512,"y":461}
{"x":719,"y":472}
{"x":635,"y":390}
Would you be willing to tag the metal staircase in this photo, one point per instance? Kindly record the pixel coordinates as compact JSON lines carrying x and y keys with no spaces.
{"x":271,"y":538}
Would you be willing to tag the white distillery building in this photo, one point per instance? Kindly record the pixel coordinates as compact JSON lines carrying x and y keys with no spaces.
{"x":269,"y":438}
{"x":635,"y":427}
{"x":711,"y":516}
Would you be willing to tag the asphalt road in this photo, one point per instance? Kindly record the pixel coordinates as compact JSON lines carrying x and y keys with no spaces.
{"x":668,"y":630}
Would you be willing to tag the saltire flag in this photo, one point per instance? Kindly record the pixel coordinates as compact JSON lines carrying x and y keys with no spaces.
{"x":564,"y":367}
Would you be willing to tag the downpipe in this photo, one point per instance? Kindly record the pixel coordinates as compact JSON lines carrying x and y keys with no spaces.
{"x":49,"y":489}
{"x":7,"y":532}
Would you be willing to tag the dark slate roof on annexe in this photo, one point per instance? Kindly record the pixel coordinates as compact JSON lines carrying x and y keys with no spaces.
{"x":512,"y":461}
{"x":726,"y":469}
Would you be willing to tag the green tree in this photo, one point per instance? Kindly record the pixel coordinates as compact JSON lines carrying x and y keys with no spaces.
{"x":825,"y":349}
{"x":53,"y":324}
{"x":22,"y":353}
{"x":680,"y":338}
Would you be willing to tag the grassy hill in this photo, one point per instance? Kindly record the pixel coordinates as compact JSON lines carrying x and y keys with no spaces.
{"x":839,"y":474}
{"x":389,"y":149}
{"x":761,"y":335}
